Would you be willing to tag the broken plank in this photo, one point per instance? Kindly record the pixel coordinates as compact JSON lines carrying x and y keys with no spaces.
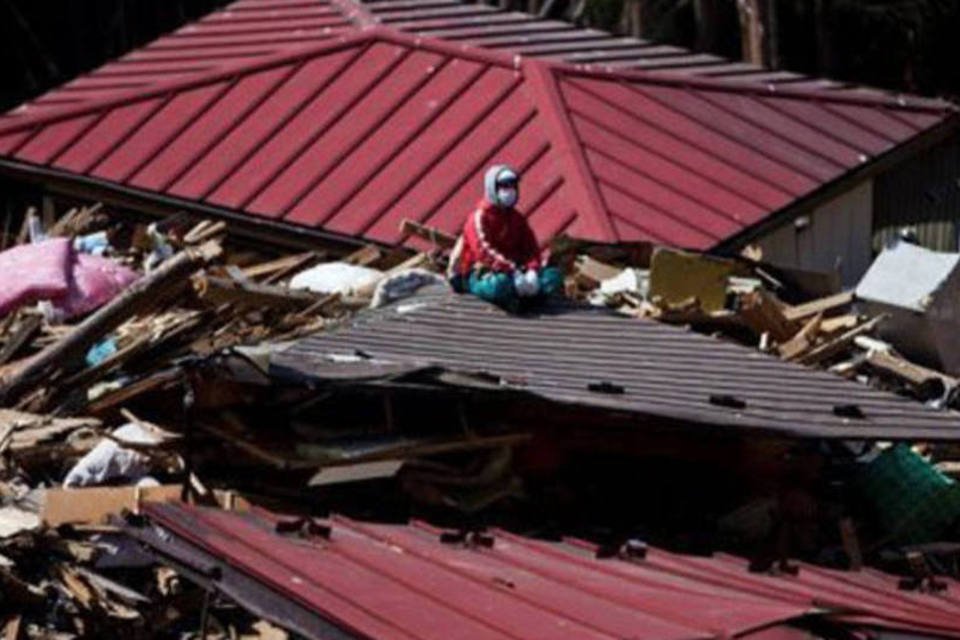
{"x":28,"y":329}
{"x":803,"y":341}
{"x":837,"y":345}
{"x":907,"y":371}
{"x":113,"y":399}
{"x":762,"y":312}
{"x":589,"y":273}
{"x":274,"y":270}
{"x":822,"y":305}
{"x":365,"y":256}
{"x":430,"y":234}
{"x":830,"y":326}
{"x":217,"y":291}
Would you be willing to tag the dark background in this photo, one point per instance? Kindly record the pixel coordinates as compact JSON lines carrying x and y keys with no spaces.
{"x":903,"y":45}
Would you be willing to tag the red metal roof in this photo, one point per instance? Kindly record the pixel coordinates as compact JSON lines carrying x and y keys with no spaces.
{"x":401,"y":581}
{"x":355,"y":133}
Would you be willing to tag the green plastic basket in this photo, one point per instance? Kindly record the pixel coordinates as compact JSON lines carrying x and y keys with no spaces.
{"x":915,"y":503}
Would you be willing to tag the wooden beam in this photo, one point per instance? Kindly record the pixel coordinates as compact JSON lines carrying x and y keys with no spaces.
{"x":430,"y":234}
{"x":822,"y":305}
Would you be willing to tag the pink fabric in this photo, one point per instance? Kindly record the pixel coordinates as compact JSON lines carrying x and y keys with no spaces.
{"x":77,"y":283}
{"x":33,"y":272}
{"x":94,"y":281}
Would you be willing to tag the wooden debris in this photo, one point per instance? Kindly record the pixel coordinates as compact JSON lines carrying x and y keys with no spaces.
{"x":12,"y":627}
{"x":27,"y":330}
{"x":830,"y":326}
{"x":589,"y":273}
{"x":430,"y":234}
{"x":142,"y":295}
{"x":913,"y":374}
{"x":94,"y":505}
{"x":823,"y":305}
{"x":763,"y":313}
{"x":835,"y":346}
{"x":219,"y":291}
{"x":205,"y":231}
{"x":803,"y":341}
{"x":276,"y":270}
{"x":365,"y":256}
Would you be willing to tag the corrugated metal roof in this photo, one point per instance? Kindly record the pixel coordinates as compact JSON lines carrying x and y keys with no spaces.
{"x":400,"y":581}
{"x":243,"y":32}
{"x":642,"y":366}
{"x":360,"y":131}
{"x":247,"y":30}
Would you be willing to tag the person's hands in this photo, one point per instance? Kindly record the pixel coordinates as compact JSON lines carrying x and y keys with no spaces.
{"x":527,"y":283}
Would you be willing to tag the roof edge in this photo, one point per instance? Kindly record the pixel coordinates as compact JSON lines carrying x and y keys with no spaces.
{"x":133,"y":198}
{"x":922,"y":141}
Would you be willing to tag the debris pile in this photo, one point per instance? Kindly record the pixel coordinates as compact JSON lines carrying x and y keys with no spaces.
{"x":797,"y":316}
{"x":142,"y":364}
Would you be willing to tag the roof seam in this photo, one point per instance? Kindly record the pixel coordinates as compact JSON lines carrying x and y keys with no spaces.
{"x":105,"y":156}
{"x":570,"y":151}
{"x":410,"y":136}
{"x":773,"y":132}
{"x":364,"y":135}
{"x":684,"y":167}
{"x":720,"y":131}
{"x":237,"y":121}
{"x":312,"y":139}
{"x":279,"y":126}
{"x":663,"y":185}
{"x":178,"y":131}
{"x":447,"y":147}
{"x":533,"y":602}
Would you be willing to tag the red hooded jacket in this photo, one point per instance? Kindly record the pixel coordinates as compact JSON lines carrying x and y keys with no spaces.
{"x":497,"y":239}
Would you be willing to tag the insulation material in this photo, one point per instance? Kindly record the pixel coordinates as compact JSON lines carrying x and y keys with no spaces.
{"x":34,"y":272}
{"x":94,"y":281}
{"x":334,"y":277}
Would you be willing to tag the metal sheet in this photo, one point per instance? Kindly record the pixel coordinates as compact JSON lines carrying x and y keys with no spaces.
{"x":400,"y":581}
{"x":648,"y":368}
{"x":353,"y":136}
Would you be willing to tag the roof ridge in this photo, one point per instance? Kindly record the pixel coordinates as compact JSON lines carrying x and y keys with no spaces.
{"x":294,"y":53}
{"x":356,"y":12}
{"x":540,"y":75}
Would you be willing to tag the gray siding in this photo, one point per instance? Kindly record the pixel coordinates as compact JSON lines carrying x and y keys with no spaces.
{"x":923,"y":193}
{"x":836,"y":235}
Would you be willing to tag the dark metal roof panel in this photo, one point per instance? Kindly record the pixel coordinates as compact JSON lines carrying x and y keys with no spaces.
{"x":400,"y":581}
{"x":655,"y":369}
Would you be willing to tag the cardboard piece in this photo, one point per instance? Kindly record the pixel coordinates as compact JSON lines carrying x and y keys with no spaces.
{"x":94,"y":505}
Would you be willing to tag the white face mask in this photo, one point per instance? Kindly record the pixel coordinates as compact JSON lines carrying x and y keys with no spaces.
{"x":506,"y":196}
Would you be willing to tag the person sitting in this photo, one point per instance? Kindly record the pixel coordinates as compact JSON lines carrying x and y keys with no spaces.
{"x":497,"y":257}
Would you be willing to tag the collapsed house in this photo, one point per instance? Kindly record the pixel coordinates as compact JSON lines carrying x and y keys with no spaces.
{"x":147,"y":430}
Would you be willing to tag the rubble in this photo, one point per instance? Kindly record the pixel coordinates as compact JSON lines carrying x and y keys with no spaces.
{"x":163,"y":388}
